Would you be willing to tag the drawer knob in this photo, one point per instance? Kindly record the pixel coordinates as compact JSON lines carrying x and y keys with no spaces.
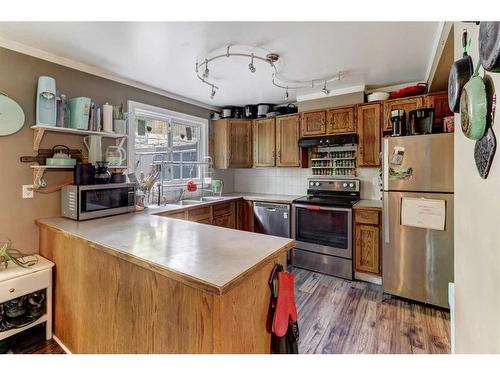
{"x":12,"y":290}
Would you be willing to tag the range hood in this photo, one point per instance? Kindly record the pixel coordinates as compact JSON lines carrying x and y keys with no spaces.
{"x":330,"y":140}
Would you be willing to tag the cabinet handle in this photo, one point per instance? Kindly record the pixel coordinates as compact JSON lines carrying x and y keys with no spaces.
{"x":279,"y":154}
{"x":12,"y":290}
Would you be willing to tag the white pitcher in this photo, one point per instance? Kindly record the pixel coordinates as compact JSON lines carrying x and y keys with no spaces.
{"x":115,"y":155}
{"x":94,"y":147}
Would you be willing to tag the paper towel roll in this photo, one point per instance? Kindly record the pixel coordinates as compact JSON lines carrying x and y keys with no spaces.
{"x":107,"y":118}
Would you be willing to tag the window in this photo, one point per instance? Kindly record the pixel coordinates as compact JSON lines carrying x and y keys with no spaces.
{"x":167,"y":141}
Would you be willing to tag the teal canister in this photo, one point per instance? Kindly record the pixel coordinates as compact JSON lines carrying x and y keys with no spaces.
{"x":79,"y":109}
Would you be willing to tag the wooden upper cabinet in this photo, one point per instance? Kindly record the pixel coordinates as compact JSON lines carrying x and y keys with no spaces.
{"x":341,"y":120}
{"x":438,"y":101}
{"x":407,"y":104}
{"x":313,"y":123}
{"x":264,"y":143}
{"x":368,"y":118}
{"x":287,"y":141}
{"x":233,"y":144}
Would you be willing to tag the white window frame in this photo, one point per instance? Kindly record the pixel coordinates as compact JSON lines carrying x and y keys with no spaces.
{"x":137,"y":108}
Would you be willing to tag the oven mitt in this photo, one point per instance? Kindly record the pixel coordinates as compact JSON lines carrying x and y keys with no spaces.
{"x":286,"y":310}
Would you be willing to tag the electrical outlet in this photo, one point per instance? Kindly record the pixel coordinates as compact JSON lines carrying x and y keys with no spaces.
{"x":27,"y":191}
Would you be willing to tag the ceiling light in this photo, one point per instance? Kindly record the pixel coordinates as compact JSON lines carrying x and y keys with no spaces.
{"x":206,"y":72}
{"x":212,"y":94}
{"x":251,"y":66}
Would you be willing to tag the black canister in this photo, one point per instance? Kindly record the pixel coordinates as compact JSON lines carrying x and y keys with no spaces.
{"x":84,"y":174}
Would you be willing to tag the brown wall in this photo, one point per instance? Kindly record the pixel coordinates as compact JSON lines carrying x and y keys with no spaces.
{"x":18,"y":79}
{"x":332,"y":101}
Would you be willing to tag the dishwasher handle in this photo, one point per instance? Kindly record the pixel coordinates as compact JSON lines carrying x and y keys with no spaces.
{"x":272,"y":207}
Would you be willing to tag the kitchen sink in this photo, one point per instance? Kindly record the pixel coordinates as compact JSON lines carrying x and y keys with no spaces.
{"x":211,"y":199}
{"x":188,"y":202}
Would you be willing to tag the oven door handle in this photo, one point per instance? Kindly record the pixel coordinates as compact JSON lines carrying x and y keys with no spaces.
{"x":321,"y":208}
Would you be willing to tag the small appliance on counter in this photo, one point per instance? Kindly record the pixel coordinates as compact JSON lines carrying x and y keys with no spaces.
{"x":398,"y":120}
{"x":84,"y":174}
{"x":102,"y":175}
{"x":422,"y":121}
{"x":86,"y":202}
{"x":79,"y":109}
{"x":46,"y":106}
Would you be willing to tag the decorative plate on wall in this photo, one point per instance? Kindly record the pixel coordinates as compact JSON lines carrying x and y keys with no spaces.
{"x":11,"y":116}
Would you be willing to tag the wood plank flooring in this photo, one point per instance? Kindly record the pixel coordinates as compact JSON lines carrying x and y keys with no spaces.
{"x":335,"y":316}
{"x":340,"y":316}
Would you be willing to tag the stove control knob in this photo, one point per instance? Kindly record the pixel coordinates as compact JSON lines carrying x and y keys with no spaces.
{"x":351,"y":185}
{"x":344,"y":184}
{"x":317,"y":183}
{"x":311,"y":183}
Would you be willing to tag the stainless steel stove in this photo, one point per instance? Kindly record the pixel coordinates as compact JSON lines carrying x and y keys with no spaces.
{"x":322,"y":226}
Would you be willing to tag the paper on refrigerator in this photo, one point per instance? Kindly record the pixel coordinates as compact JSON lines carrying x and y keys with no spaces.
{"x":423,"y":213}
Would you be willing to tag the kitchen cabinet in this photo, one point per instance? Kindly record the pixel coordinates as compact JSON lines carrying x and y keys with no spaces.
{"x":264,"y":144}
{"x":407,"y":104}
{"x":176,"y":215}
{"x":439,"y":101}
{"x":232,"y":143}
{"x":289,"y":154}
{"x":244,"y":215}
{"x":201,"y":214}
{"x":367,"y":241}
{"x":341,"y":120}
{"x":313,"y":123}
{"x":369,"y":140}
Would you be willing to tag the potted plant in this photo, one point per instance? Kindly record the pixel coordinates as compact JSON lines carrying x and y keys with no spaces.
{"x":7,"y":253}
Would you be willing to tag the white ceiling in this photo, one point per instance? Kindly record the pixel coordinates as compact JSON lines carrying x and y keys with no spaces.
{"x":163,"y":54}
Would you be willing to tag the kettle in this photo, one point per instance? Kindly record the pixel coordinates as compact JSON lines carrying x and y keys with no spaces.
{"x":115,"y":155}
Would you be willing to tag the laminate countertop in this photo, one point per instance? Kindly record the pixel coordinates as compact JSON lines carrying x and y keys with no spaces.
{"x":372,"y":204}
{"x":207,"y":257}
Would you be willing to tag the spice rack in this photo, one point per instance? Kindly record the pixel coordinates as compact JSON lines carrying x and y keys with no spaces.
{"x":334,"y":162}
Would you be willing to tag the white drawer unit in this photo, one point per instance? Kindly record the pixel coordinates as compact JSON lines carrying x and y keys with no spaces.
{"x":16,"y":282}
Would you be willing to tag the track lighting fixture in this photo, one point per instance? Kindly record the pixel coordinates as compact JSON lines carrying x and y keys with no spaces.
{"x":270,"y":58}
{"x":251,"y":66}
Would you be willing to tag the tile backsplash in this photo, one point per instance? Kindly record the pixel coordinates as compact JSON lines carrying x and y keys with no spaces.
{"x":291,"y":181}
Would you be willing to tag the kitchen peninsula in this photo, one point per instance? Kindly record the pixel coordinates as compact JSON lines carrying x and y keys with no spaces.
{"x":140,"y":283}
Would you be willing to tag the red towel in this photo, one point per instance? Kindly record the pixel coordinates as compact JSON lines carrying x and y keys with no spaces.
{"x":286,"y":310}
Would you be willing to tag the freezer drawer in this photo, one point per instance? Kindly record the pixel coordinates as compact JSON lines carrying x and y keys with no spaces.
{"x":323,"y":263}
{"x":417,"y":262}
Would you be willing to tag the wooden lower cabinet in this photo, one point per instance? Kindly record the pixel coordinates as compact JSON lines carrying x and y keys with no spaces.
{"x":244,"y":215}
{"x":226,"y":221}
{"x":367,"y":246}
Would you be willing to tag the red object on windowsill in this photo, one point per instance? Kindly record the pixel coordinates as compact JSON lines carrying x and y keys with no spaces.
{"x":418,"y":89}
{"x":191,"y":186}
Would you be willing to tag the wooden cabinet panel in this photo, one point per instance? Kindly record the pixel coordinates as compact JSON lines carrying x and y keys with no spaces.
{"x":226,"y":221}
{"x":438,"y":101}
{"x":407,"y":104}
{"x":176,"y":215}
{"x":205,"y":221}
{"x":223,"y":209}
{"x":313,"y":123}
{"x":264,"y":143}
{"x":232,"y":144}
{"x":287,"y":141}
{"x":367,"y":248}
{"x":366,"y":217}
{"x":368,"y":118}
{"x":341,"y":120}
{"x":244,"y":215}
{"x":197,"y":214}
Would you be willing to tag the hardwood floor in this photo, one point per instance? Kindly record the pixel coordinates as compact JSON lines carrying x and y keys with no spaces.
{"x":340,"y":316}
{"x":335,"y":316}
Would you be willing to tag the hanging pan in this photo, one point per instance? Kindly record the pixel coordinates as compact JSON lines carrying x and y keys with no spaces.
{"x":489,"y":46}
{"x":484,"y":151}
{"x":473,"y":107}
{"x":460,"y":73}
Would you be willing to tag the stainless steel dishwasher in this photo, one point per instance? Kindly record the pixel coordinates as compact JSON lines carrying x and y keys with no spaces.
{"x":272,"y":218}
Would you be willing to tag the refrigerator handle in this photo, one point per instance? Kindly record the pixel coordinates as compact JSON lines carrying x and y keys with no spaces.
{"x":385,"y":217}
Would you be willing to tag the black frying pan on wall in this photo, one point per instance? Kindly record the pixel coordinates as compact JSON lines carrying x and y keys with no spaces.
{"x":460,"y":73}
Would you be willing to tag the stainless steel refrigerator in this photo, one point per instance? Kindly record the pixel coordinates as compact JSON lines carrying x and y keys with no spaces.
{"x":418,"y":217}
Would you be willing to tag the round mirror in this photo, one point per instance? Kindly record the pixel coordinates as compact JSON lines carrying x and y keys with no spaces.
{"x":11,"y":116}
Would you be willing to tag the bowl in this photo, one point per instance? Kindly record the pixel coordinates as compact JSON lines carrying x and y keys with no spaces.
{"x":377,"y":95}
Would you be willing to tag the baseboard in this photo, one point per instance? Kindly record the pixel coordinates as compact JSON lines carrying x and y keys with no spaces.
{"x":374,"y":279}
{"x":66,"y":350}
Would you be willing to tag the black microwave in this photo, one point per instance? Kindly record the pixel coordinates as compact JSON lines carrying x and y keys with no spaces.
{"x":84,"y":202}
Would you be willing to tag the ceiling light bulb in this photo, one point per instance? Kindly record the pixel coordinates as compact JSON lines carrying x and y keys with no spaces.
{"x":206,"y":72}
{"x":251,"y":66}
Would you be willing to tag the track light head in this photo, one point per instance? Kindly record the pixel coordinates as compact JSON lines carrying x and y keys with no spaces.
{"x":251,"y":66}
{"x":207,"y":71}
{"x":325,"y":90}
{"x":212,"y":94}
{"x":286,"y":93}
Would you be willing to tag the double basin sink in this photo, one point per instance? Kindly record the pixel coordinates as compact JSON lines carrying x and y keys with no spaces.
{"x":191,"y":202}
